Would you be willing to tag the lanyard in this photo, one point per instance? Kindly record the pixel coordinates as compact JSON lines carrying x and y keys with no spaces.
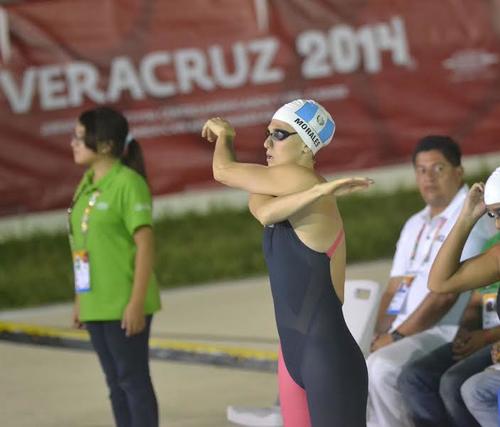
{"x":442,"y":222}
{"x":84,"y":224}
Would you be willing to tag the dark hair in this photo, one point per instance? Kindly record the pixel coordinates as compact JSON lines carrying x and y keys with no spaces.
{"x":105,"y":125}
{"x":445,"y":144}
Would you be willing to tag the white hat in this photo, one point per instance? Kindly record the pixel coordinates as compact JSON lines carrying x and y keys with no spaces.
{"x":492,"y":188}
{"x":310,"y":120}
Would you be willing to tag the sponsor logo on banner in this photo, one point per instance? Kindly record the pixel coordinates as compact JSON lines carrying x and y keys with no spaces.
{"x":471,"y":64}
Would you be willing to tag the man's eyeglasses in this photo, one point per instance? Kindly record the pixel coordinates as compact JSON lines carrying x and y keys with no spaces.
{"x":278,"y":134}
{"x":495,"y":213}
{"x":436,"y":169}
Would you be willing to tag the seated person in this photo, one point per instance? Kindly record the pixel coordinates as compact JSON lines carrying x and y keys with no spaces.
{"x":448,"y":274}
{"x":480,"y":392}
{"x":431,"y":385}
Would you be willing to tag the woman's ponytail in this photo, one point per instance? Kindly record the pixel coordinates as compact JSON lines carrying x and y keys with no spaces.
{"x":133,"y":158}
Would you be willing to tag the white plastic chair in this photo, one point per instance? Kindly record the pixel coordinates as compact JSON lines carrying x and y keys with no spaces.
{"x":361,"y":300}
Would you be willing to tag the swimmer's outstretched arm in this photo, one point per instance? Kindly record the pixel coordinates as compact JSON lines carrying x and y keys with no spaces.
{"x":270,"y":210}
{"x":254,"y":178}
{"x":448,"y":274}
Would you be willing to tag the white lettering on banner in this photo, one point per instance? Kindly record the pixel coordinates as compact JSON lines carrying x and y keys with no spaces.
{"x":241,"y":66}
{"x":178,"y":118}
{"x":60,"y":86}
{"x":312,"y":45}
{"x":52,"y":88}
{"x":151,"y":82}
{"x":266,"y":50}
{"x":82,"y":80}
{"x":191,"y":66}
{"x":20,"y":99}
{"x":371,"y":56}
{"x":393,"y":38}
{"x":123,"y":77}
{"x":343,"y":47}
{"x":5,"y":42}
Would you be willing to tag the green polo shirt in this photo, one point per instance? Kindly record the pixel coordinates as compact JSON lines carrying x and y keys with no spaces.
{"x":123,"y":205}
{"x":493,"y":288}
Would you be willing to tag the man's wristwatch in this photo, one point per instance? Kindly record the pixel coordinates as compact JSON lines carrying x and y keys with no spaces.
{"x":396,"y":335}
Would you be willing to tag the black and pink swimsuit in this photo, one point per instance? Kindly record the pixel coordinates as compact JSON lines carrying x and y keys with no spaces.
{"x":319,"y":353}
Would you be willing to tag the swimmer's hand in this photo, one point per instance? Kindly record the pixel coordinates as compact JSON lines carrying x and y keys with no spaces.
{"x":340,"y":187}
{"x":474,"y":206}
{"x":217,"y":127}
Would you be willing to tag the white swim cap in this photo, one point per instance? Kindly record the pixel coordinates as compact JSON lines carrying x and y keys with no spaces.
{"x":492,"y":188}
{"x":310,"y":120}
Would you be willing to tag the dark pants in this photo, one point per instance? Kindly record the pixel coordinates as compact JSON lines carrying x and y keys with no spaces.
{"x":125,"y":362}
{"x":430,"y":387}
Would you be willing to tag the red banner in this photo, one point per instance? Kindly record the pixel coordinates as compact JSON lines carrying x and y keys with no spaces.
{"x":388,"y":71}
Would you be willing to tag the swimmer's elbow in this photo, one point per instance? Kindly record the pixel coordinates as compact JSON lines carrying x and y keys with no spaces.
{"x":222,"y":175}
{"x":260,"y":212}
{"x":265,"y":220}
{"x":227,"y":175}
{"x":431,"y":285}
{"x":263,"y":216}
{"x":219,"y":175}
{"x":438,"y":287}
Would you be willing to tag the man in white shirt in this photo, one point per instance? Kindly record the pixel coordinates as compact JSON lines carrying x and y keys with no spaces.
{"x":412,"y":320}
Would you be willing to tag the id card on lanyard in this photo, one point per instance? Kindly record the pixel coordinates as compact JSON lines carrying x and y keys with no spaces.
{"x":81,"y":263}
{"x":81,"y":269}
{"x":490,"y":316}
{"x":398,"y":300}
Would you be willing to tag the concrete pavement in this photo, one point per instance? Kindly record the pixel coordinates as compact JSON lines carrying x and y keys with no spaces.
{"x":50,"y":387}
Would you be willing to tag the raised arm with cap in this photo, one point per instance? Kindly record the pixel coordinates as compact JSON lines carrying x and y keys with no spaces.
{"x":448,"y":274}
{"x":297,"y":131}
{"x":254,"y":178}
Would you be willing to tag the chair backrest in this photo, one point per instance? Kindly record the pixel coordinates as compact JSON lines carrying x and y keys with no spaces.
{"x":361,"y":300}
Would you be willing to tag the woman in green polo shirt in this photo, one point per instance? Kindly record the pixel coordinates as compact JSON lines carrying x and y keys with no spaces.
{"x":110,"y":227}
